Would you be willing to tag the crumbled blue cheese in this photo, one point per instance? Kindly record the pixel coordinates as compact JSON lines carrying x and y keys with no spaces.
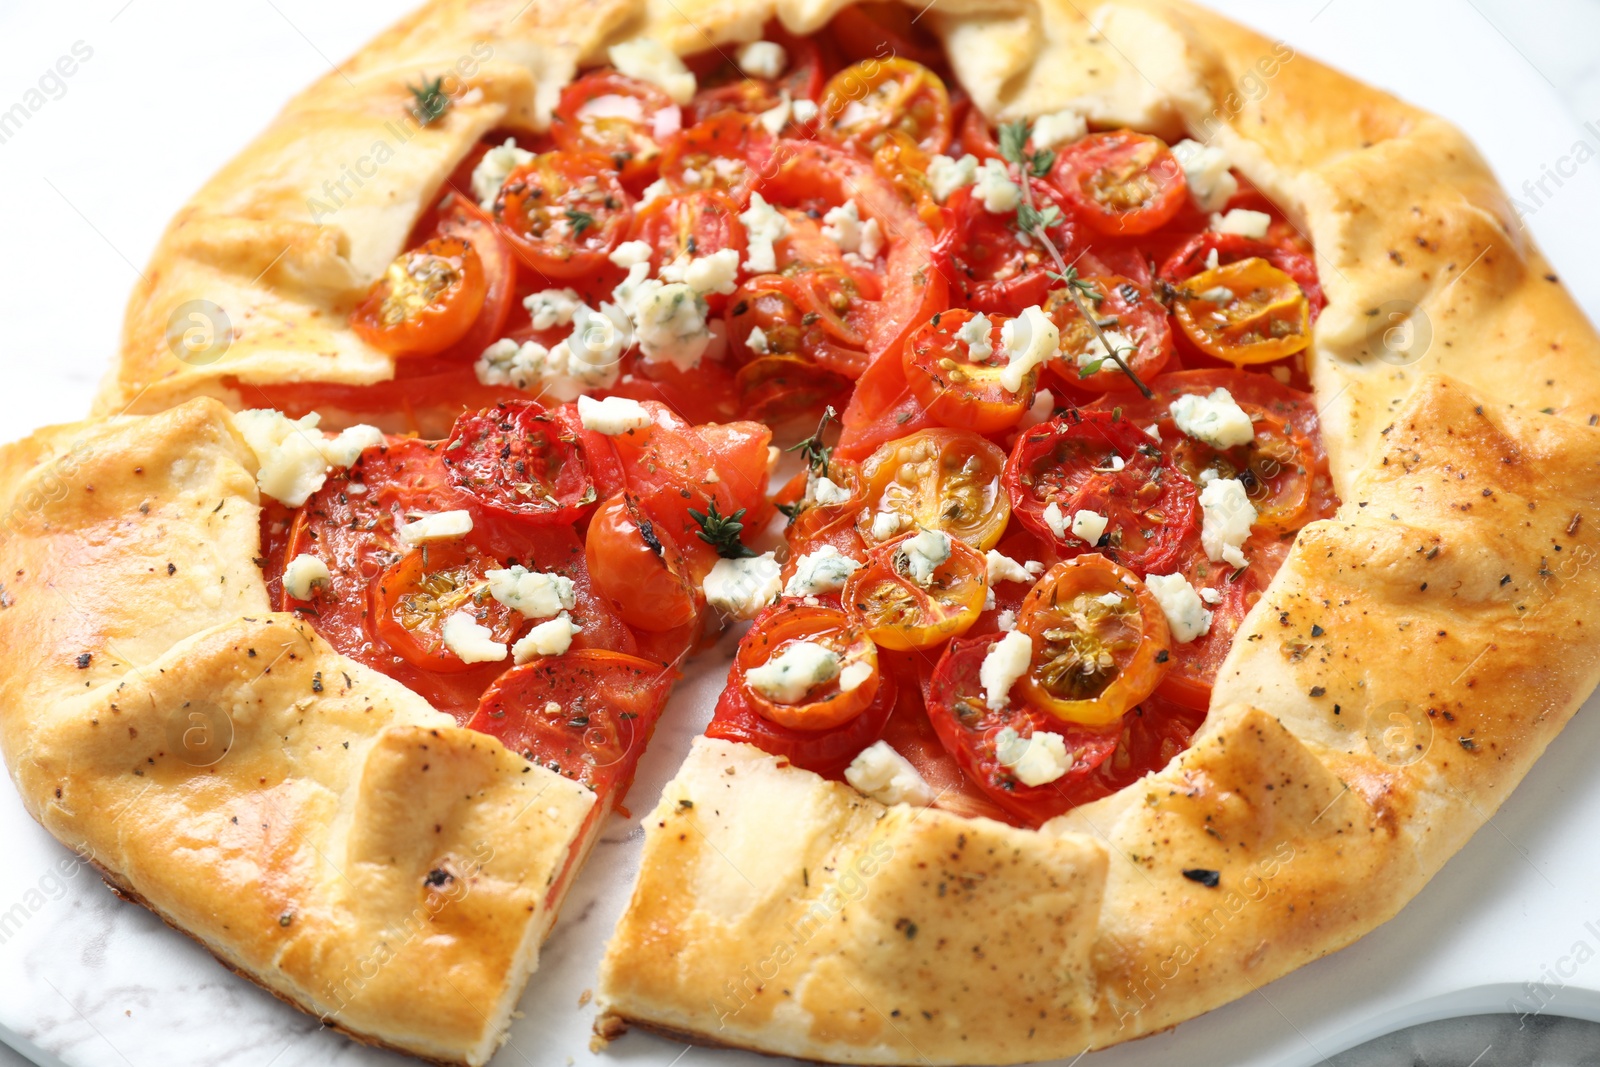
{"x":823,"y":570}
{"x":1218,"y":420}
{"x":551,"y":638}
{"x":764,"y":225}
{"x":1055,"y":519}
{"x":946,"y":175}
{"x":1006,"y":621}
{"x":1058,"y":128}
{"x":921,"y":555}
{"x":1211,"y":181}
{"x":756,"y":342}
{"x":776,"y":117}
{"x":1097,"y":350}
{"x":533,"y":594}
{"x":471,"y":642}
{"x":1090,"y":526}
{"x":655,"y":191}
{"x":650,"y":60}
{"x":881,"y":773}
{"x":442,"y":526}
{"x":1042,"y":408}
{"x":1037,"y":760}
{"x":855,"y":675}
{"x":805,"y":110}
{"x":885,"y":524}
{"x":1027,"y":341}
{"x":996,"y":189}
{"x":717,"y":272}
{"x":820,"y":489}
{"x":1003,"y":568}
{"x":630,"y":253}
{"x":974,"y":333}
{"x":613,"y":415}
{"x":346,"y":446}
{"x":762,"y":59}
{"x":1211,"y":597}
{"x":1251,"y":224}
{"x":293,"y":456}
{"x":303,"y":574}
{"x":1187,"y":617}
{"x":550,"y":308}
{"x":742,"y":587}
{"x":588,"y":359}
{"x":494,"y":168}
{"x":1008,"y":659}
{"x":844,"y":226}
{"x":787,"y":677}
{"x":1228,"y":516}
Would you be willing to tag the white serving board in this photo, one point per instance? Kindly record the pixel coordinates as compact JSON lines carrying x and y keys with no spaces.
{"x":175,"y":87}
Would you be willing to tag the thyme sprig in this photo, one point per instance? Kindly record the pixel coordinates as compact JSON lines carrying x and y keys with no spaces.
{"x":816,"y":454}
{"x":431,"y":100}
{"x":721,"y":531}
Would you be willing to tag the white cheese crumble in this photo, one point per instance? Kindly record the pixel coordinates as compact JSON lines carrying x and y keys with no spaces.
{"x":1228,"y":516}
{"x":776,"y":117}
{"x":533,"y":594}
{"x":824,"y":490}
{"x":1058,"y":128}
{"x":881,"y":773}
{"x":551,"y":638}
{"x":669,"y":321}
{"x":921,"y":555}
{"x":443,"y":526}
{"x":629,"y":253}
{"x":588,"y":359}
{"x":655,"y":191}
{"x":1003,"y":568}
{"x":1006,"y":621}
{"x":1218,"y":420}
{"x":821,"y":571}
{"x":1210,"y":596}
{"x":1205,"y":167}
{"x":855,"y":675}
{"x":471,"y":642}
{"x":1008,"y":659}
{"x":494,"y":168}
{"x":787,"y":677}
{"x":885,"y":524}
{"x":613,"y":415}
{"x":651,"y":61}
{"x":974,"y":333}
{"x":1251,"y":224}
{"x":303,"y":574}
{"x":1089,"y":525}
{"x":764,"y":225}
{"x":996,"y":189}
{"x":1042,"y":408}
{"x":1027,"y":341}
{"x":1186,"y":616}
{"x":550,"y":308}
{"x":716,"y":272}
{"x":756,"y":342}
{"x":293,"y":456}
{"x":946,"y":175}
{"x":742,"y":587}
{"x":805,"y":110}
{"x":1055,"y":520}
{"x":762,"y":59}
{"x":1037,"y":760}
{"x":844,"y":227}
{"x":1098,"y":350}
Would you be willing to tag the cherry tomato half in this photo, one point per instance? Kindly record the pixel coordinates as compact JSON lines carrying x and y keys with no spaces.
{"x":604,"y":113}
{"x":938,"y":479}
{"x":564,"y":212}
{"x":426,"y":300}
{"x":1127,"y":314}
{"x":1275,"y":469}
{"x":1195,"y":256}
{"x":957,"y":390}
{"x":1122,"y":183}
{"x":994,"y":267}
{"x":1100,"y":642}
{"x":827,"y":702}
{"x":1099,"y":462}
{"x":639,"y":567}
{"x":413,"y":598}
{"x":689,"y":225}
{"x":1246,"y":312}
{"x":522,"y":461}
{"x":899,"y":612}
{"x":864,"y":102}
{"x":727,"y":152}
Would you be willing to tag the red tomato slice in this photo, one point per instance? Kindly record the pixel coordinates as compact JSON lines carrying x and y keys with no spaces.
{"x":1194,"y":665}
{"x":640,"y":567}
{"x":414,"y":597}
{"x":1194,"y":257}
{"x":994,"y":268}
{"x":564,"y":213}
{"x":1122,"y":183}
{"x":872,"y":31}
{"x":586,"y":715}
{"x":863,"y":103}
{"x":688,"y":225}
{"x":604,"y":113}
{"x":726,"y":152}
{"x":1151,"y":507}
{"x":426,"y":301}
{"x":1120,"y":307}
{"x":522,"y":461}
{"x":459,"y":217}
{"x":955,"y":390}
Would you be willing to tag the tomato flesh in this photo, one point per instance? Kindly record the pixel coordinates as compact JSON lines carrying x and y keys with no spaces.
{"x":426,"y":301}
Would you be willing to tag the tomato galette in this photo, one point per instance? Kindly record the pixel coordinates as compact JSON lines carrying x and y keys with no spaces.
{"x":1136,"y":610}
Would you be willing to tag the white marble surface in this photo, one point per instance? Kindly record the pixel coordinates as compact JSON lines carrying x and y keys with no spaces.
{"x":175,"y":87}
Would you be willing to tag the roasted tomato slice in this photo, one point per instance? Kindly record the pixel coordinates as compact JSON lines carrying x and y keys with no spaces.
{"x":690,"y":225}
{"x":939,"y":479}
{"x":864,"y":102}
{"x":586,"y":715}
{"x":995,"y":268}
{"x":415,"y":598}
{"x":726,"y":152}
{"x":640,"y":567}
{"x":564,"y":212}
{"x":1133,"y":321}
{"x":900,"y":610}
{"x":1100,"y":642}
{"x":1276,"y":469}
{"x":959,"y":386}
{"x":1196,"y":256}
{"x":971,"y":732}
{"x":1246,"y":312}
{"x":459,"y":217}
{"x":798,"y":314}
{"x":426,"y":300}
{"x":522,"y":461}
{"x":807,"y":668}
{"x":779,"y":389}
{"x":1099,"y":462}
{"x":624,"y":119}
{"x":1122,"y":183}
{"x":1228,"y":595}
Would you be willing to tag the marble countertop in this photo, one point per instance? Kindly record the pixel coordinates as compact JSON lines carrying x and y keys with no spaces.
{"x":171,"y":89}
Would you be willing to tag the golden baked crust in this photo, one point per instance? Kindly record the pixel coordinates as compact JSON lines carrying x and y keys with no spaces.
{"x":316,"y":825}
{"x":1409,"y":663}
